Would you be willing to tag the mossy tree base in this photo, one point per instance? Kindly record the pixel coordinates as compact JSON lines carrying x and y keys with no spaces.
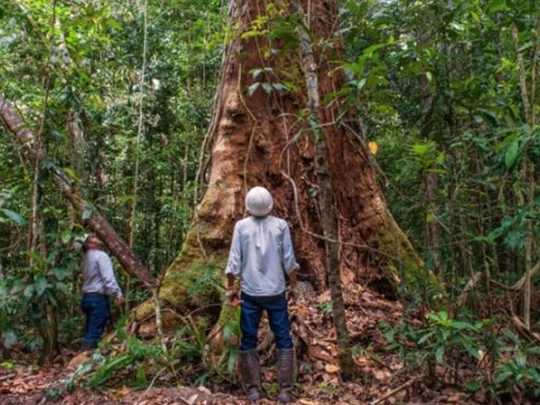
{"x":190,"y":292}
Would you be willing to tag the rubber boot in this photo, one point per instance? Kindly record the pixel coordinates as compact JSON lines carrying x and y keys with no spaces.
{"x":87,"y":346}
{"x":250,"y":374}
{"x":285,"y":374}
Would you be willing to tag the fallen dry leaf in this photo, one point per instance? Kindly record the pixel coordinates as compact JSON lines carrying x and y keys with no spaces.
{"x":331,"y":368}
{"x":306,"y":402}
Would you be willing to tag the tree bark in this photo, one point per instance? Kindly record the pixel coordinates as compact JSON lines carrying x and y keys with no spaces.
{"x":89,"y":214}
{"x":325,"y":197}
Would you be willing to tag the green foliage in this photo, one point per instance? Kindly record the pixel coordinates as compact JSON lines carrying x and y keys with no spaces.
{"x":435,"y":83}
{"x":27,"y":298}
{"x":136,"y":353}
{"x":138,"y":360}
{"x":206,"y":277}
{"x":231,"y":334}
{"x":517,"y":373}
{"x":438,"y":87}
{"x":444,"y":341}
{"x":74,"y":71}
{"x":454,"y":347}
{"x":189,"y":343}
{"x":450,"y":337}
{"x":141,"y":362}
{"x":325,"y":307}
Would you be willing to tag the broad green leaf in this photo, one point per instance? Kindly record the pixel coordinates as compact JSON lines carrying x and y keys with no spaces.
{"x":279,"y":86}
{"x":113,"y":23}
{"x":389,"y":335}
{"x":469,"y":346}
{"x":439,"y":354}
{"x":86,"y":214}
{"x":253,"y":88}
{"x":8,"y":364}
{"x":66,"y":235}
{"x":425,"y":337}
{"x":521,"y":359}
{"x":473,"y":386}
{"x":511,"y":154}
{"x":29,"y":291}
{"x":360,"y":83}
{"x":503,"y":376}
{"x":462,"y":325}
{"x":420,"y":148}
{"x":15,"y":217}
{"x":515,"y":239}
{"x":62,"y":287}
{"x":40,"y":285}
{"x":232,"y":360}
{"x":69,"y":171}
{"x":9,"y":339}
{"x":267,"y":88}
{"x":60,"y":273}
{"x":457,"y":27}
{"x":526,"y":46}
{"x":370,"y":50}
{"x":497,"y":5}
{"x":256,"y":72}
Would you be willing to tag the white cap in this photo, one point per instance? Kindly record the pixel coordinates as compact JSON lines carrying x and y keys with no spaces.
{"x":259,"y":201}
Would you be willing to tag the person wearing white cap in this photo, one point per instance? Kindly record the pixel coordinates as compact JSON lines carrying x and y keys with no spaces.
{"x":261,"y":255}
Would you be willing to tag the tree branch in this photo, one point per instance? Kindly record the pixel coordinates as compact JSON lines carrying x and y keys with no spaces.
{"x":13,"y":122}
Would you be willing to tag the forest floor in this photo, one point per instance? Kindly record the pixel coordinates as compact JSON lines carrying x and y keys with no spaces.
{"x":318,"y":380}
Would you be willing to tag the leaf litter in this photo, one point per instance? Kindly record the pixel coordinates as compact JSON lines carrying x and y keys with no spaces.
{"x":318,"y":380}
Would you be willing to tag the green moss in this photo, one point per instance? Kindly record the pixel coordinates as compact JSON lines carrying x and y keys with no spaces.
{"x":405,"y":264}
{"x":193,"y":280}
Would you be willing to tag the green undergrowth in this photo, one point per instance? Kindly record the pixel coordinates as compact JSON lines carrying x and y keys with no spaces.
{"x":483,"y":357}
{"x":181,"y":358}
{"x":193,"y":280}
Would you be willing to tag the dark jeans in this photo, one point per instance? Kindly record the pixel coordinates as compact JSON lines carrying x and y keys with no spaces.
{"x":250,"y":318}
{"x":97,"y":310}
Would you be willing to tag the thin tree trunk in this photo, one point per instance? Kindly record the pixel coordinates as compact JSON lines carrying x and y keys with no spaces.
{"x":432,"y":227}
{"x":33,"y":221}
{"x":325,"y":198}
{"x":89,"y":214}
{"x":528,"y":167}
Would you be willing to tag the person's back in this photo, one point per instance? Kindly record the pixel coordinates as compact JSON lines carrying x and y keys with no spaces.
{"x":98,"y":276}
{"x":266,"y":253}
{"x":261,"y":254}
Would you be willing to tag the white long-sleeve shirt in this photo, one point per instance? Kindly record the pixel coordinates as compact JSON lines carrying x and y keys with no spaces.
{"x":98,"y":275}
{"x":261,"y":252}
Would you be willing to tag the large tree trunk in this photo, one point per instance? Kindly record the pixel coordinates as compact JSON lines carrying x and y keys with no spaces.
{"x":264,"y":139}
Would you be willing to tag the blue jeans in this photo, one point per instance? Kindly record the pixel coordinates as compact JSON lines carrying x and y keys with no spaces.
{"x":250,"y":318}
{"x":97,"y":310}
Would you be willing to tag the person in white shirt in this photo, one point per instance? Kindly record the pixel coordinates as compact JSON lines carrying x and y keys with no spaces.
{"x":262,"y":255}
